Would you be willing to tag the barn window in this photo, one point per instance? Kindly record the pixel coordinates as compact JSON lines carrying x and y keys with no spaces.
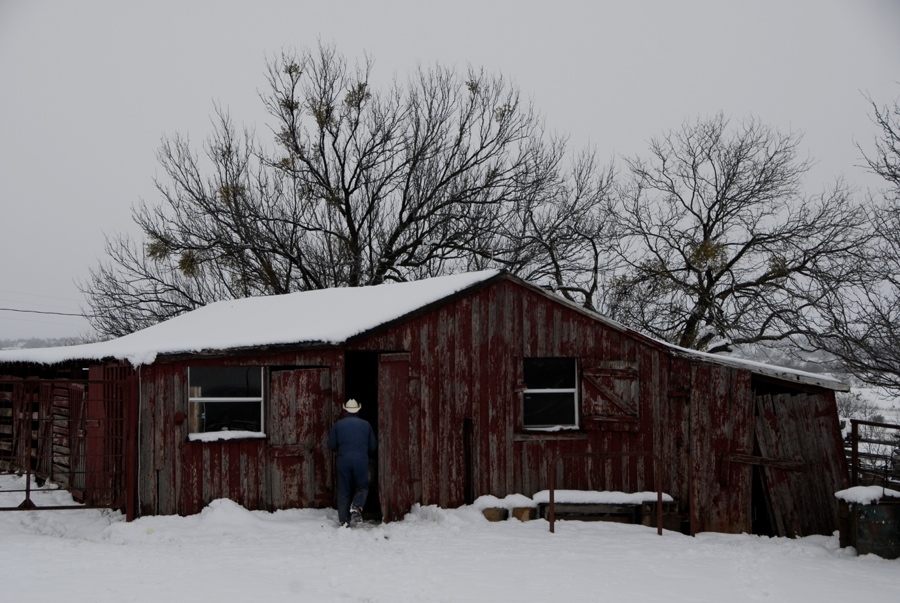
{"x":225,"y":398}
{"x":550,"y":399}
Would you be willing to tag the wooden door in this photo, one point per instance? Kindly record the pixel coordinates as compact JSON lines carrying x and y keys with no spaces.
{"x":395,"y":448}
{"x":297,"y":423}
{"x":802,"y":462}
{"x":721,"y":424}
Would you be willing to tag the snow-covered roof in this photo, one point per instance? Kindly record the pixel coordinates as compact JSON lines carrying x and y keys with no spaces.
{"x":866,"y":495}
{"x":327,"y":316}
{"x":321,"y":316}
{"x":755,"y":367}
{"x":769,"y":370}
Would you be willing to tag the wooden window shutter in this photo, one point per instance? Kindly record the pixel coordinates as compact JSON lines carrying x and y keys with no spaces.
{"x":610,"y":391}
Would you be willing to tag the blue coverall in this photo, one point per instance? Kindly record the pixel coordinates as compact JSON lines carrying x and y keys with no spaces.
{"x":353,"y":440}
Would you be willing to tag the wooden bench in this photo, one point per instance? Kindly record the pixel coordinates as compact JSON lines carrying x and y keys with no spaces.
{"x":634,"y":513}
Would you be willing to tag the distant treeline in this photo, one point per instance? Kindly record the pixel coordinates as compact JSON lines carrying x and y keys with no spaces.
{"x":36,"y":342}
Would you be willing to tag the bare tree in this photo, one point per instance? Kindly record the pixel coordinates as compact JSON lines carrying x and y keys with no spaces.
{"x":865,"y":319}
{"x":445,"y":172}
{"x":560,"y":237}
{"x":720,"y":245}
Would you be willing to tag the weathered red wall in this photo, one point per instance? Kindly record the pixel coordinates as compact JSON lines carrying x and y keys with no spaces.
{"x":452,"y":430}
{"x":289,"y":468}
{"x":467,"y":360}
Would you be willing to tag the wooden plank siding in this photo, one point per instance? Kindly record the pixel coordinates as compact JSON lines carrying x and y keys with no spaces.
{"x":469,"y":356}
{"x":70,"y":431}
{"x":694,"y":415}
{"x":449,"y":398}
{"x":801,"y":431}
{"x":290,"y":468}
{"x":721,"y":424}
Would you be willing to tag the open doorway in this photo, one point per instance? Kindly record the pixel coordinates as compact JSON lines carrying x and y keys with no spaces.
{"x":759,"y":505}
{"x":361,"y":383}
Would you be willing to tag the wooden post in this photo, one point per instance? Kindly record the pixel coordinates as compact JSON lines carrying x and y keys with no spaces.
{"x":130,"y":445}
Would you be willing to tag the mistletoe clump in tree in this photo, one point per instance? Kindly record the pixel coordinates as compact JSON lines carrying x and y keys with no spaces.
{"x":443,"y":173}
{"x":720,"y":246}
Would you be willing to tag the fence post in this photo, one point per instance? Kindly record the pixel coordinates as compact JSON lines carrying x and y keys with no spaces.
{"x":552,"y":488}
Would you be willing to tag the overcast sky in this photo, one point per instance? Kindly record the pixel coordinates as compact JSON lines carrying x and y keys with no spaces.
{"x":89,"y":88}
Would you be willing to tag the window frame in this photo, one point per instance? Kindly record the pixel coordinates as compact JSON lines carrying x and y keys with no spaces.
{"x":574,"y":391}
{"x":193,"y":399}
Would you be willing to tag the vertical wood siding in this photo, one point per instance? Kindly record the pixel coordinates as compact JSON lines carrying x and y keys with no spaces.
{"x":801,"y":429}
{"x":468,"y":359}
{"x":396,"y":471}
{"x":291,"y":467}
{"x":451,"y":426}
{"x":297,"y":423}
{"x":721,"y":424}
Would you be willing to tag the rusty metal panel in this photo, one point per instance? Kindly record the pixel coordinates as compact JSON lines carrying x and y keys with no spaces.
{"x":876,"y":529}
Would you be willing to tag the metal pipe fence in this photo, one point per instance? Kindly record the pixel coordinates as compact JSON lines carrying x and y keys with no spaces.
{"x":874,"y":453}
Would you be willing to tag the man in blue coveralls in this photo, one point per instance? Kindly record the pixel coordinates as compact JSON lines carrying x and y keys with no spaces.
{"x":353,"y":440}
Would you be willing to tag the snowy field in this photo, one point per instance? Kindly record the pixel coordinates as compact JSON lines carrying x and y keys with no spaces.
{"x":227,"y":554}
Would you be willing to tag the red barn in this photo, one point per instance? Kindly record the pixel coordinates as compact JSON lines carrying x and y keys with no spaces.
{"x":474,"y":383}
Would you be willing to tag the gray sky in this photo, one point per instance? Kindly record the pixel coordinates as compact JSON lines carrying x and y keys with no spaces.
{"x":88,"y":89}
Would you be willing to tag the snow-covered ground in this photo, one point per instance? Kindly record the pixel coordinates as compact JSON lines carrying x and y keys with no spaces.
{"x":878,"y":400}
{"x":227,"y":553}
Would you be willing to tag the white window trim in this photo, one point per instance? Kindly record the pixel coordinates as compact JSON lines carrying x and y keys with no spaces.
{"x":572,"y":390}
{"x":205,"y":435}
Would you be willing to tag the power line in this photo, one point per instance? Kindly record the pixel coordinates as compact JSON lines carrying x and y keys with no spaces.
{"x":29,"y":294}
{"x":43,"y":312}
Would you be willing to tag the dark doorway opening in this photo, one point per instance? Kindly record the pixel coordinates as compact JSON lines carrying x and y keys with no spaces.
{"x":761,"y":523}
{"x":361,"y":383}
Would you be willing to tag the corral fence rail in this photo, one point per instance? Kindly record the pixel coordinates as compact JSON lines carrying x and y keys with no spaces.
{"x":873,"y":450}
{"x":74,"y":435}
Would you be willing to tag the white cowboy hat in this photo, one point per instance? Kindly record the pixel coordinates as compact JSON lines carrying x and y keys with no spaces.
{"x":352,"y":406}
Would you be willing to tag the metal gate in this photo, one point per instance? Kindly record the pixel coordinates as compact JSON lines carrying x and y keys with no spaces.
{"x":68,"y":435}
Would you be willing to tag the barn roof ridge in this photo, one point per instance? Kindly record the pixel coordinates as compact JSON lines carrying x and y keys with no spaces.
{"x":321,"y":316}
{"x":260,"y":321}
{"x":755,"y":367}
